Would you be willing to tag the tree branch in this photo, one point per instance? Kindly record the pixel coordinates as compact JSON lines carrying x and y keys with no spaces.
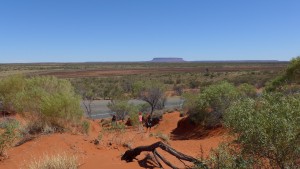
{"x":129,"y":155}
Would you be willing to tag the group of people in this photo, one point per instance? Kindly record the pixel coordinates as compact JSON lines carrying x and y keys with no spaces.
{"x":142,"y":121}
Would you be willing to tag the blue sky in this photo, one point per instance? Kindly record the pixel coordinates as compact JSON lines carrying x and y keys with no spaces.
{"x":138,"y":30}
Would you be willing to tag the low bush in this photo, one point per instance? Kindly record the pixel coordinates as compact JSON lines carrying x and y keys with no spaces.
{"x":267,"y":128}
{"x":228,"y":156}
{"x":8,"y":134}
{"x":48,"y":100}
{"x":9,"y":88}
{"x":208,"y":107}
{"x":247,"y":90}
{"x":85,"y":126}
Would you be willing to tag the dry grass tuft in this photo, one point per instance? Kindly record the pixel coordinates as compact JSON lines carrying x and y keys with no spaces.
{"x":59,"y":161}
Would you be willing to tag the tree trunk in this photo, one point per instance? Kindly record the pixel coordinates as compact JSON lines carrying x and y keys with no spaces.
{"x":131,"y":154}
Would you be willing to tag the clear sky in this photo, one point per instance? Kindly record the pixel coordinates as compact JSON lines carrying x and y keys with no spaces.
{"x":138,"y":30}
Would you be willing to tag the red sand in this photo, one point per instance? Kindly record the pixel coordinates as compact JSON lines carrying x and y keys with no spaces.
{"x":109,"y":156}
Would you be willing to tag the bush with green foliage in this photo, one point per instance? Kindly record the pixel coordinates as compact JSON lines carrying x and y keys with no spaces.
{"x":120,"y":107}
{"x":228,"y":156}
{"x":247,"y":90}
{"x":85,"y":126}
{"x":290,"y":75}
{"x":293,"y":70}
{"x":9,"y":88}
{"x":133,"y":114}
{"x":267,"y":128}
{"x":49,"y":100}
{"x":124,"y":109}
{"x":209,"y":106}
{"x":8,"y":134}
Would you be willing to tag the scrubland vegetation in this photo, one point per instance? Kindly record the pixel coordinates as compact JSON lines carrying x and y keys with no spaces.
{"x":50,"y":104}
{"x":265,"y":125}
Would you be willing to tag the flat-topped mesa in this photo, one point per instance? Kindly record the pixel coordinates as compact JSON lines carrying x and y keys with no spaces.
{"x":167,"y":60}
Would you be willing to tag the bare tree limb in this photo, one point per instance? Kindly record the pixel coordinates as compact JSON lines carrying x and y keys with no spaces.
{"x":156,"y":159}
{"x":165,"y":161}
{"x":129,"y":155}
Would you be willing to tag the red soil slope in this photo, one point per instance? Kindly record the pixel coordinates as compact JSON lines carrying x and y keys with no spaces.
{"x":108,"y":153}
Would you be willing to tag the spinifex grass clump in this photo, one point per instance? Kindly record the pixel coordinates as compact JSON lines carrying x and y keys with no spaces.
{"x":60,"y":161}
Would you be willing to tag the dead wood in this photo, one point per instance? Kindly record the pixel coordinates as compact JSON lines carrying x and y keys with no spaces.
{"x":131,"y":154}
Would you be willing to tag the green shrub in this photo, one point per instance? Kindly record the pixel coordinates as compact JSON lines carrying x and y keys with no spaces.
{"x":8,"y":135}
{"x":49,"y":100}
{"x":290,"y":75}
{"x":247,"y":90}
{"x":9,"y":87}
{"x":121,"y":108}
{"x":268,"y":128}
{"x":227,"y":156}
{"x":133,"y":114}
{"x":86,"y":126}
{"x":293,"y":70}
{"x":275,"y":83}
{"x":209,"y":106}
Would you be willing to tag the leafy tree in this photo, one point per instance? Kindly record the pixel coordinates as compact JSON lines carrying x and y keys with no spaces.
{"x":267,"y":128}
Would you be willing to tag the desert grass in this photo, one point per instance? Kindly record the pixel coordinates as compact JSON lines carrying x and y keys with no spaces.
{"x":59,"y":161}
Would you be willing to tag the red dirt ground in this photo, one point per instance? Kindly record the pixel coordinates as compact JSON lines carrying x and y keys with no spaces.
{"x":105,"y":155}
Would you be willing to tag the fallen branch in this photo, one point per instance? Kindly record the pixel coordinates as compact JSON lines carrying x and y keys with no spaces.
{"x":131,"y":154}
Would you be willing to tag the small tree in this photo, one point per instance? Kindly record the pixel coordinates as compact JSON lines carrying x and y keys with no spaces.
{"x":120,"y":107}
{"x":153,"y":94}
{"x":88,"y":92}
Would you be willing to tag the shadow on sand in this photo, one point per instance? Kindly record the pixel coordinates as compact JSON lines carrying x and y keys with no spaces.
{"x":148,"y":163}
{"x":186,"y":130}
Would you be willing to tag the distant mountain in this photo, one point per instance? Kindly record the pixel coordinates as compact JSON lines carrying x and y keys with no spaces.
{"x":167,"y":60}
